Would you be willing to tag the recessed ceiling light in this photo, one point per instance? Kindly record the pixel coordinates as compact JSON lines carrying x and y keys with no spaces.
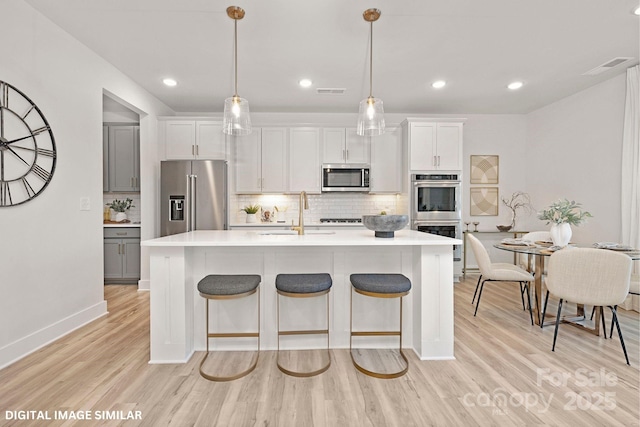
{"x":515,"y":85}
{"x":305,"y":82}
{"x":636,"y":11}
{"x":169,"y":82}
{"x":439,"y":84}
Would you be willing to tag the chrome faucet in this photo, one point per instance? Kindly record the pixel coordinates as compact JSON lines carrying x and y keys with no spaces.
{"x":303,"y":204}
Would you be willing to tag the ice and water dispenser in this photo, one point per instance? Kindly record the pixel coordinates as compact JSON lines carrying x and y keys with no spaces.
{"x":176,"y":208}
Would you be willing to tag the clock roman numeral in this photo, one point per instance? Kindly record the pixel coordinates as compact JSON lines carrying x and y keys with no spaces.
{"x":5,"y":194}
{"x":28,"y":188}
{"x":42,"y":173}
{"x":46,"y":153}
{"x":4,"y":95}
{"x":39,"y":130}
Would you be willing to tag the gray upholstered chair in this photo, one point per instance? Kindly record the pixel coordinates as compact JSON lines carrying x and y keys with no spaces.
{"x":225,"y":287}
{"x":498,"y":272}
{"x":306,"y":285}
{"x":589,"y":276}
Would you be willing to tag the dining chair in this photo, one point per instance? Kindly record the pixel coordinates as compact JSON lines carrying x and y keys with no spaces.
{"x":588,"y":276}
{"x":533,"y":236}
{"x":498,"y":272}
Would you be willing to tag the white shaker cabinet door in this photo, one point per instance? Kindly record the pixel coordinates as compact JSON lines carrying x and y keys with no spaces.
{"x":248,"y":171}
{"x":449,"y":146}
{"x":180,"y":139}
{"x":210,"y":141}
{"x":386,"y":162}
{"x":274,"y":160}
{"x":304,"y":160}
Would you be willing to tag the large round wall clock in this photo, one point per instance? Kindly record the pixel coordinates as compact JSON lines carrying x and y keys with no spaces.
{"x":27,"y":148}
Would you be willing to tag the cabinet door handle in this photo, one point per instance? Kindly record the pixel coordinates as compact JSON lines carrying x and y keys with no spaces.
{"x":343,"y":156}
{"x":438,"y":160}
{"x":119,"y":253}
{"x":197,"y":150}
{"x":122,"y":234}
{"x":193,"y":150}
{"x":259,"y":186}
{"x":347,"y":157}
{"x":123,"y":249}
{"x":433,"y":162}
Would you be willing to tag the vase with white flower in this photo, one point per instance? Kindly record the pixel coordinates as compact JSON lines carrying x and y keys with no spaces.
{"x":562,"y":214}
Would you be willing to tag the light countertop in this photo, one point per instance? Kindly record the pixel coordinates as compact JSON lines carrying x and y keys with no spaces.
{"x":288,"y":224}
{"x":122,"y":225}
{"x":254,"y":238}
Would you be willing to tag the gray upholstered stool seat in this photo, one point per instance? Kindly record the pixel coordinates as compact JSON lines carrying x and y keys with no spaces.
{"x":224,"y":287}
{"x":379,"y":285}
{"x":303,"y":283}
{"x":303,"y":286}
{"x":228,"y":284}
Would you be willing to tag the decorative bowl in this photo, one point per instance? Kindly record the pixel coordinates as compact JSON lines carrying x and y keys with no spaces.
{"x":385,"y":225}
{"x":503,"y":227}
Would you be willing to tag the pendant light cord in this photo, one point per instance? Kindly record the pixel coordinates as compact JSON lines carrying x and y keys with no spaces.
{"x":371,"y":62}
{"x":235,"y":54}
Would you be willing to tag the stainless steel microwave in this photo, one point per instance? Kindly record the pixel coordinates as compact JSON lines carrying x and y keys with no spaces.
{"x":345,"y":177}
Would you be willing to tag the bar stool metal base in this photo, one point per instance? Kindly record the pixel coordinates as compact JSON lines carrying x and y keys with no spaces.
{"x":398,"y":333}
{"x":303,"y":332}
{"x":254,"y":361}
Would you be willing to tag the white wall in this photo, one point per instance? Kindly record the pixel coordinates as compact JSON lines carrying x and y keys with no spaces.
{"x":573,"y":151}
{"x":51,"y":259}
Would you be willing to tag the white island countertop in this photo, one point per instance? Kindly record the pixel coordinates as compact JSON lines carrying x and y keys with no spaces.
{"x":178,"y":262}
{"x":254,"y":238}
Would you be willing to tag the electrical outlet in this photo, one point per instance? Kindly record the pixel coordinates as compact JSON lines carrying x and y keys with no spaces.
{"x":85,"y":204}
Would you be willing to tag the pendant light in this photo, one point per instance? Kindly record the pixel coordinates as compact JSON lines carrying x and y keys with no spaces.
{"x":371,"y":115}
{"x":237,"y":120}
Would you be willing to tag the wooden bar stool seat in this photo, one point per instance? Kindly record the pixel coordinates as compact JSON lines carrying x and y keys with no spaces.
{"x":379,"y":286}
{"x":303,"y":286}
{"x":225,"y":287}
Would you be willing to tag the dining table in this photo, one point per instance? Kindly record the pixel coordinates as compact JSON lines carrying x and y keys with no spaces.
{"x":537,"y":253}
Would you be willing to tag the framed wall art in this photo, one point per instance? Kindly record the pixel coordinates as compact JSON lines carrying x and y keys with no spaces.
{"x":484,"y":169}
{"x":484,"y":201}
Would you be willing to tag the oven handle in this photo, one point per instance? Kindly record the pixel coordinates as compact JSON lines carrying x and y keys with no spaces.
{"x":436,"y":183}
{"x":436,"y":222}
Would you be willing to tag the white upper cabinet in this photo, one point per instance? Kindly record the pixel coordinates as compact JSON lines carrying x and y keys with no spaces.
{"x":340,"y":145}
{"x":386,"y":161}
{"x":434,"y":146}
{"x":194,"y":139}
{"x":261,"y":161}
{"x":304,"y":160}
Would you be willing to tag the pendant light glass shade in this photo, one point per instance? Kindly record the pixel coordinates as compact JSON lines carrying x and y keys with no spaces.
{"x":371,"y":117}
{"x":237,"y":120}
{"x":371,"y":113}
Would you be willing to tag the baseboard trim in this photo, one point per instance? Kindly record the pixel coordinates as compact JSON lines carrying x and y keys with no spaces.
{"x":144,"y":285}
{"x":21,"y":348}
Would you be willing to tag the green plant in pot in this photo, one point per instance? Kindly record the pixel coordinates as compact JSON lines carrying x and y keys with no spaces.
{"x":561,"y":215}
{"x":251,"y":211}
{"x":121,"y":207}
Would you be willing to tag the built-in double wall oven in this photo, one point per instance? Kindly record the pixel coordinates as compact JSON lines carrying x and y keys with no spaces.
{"x":436,"y":206}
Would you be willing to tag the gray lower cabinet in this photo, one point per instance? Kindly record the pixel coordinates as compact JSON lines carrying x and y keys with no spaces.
{"x":121,"y":255}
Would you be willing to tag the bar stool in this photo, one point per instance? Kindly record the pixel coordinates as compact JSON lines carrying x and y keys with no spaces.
{"x":225,"y":287}
{"x":379,"y":286}
{"x":303,"y":286}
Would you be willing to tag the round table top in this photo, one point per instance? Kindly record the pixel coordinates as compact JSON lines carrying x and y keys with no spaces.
{"x":544,"y":250}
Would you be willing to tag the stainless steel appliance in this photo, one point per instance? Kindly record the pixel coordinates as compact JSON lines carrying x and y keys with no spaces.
{"x":436,"y":197}
{"x":345,"y":177}
{"x":436,"y":206}
{"x":193,"y":196}
{"x":451,"y":229}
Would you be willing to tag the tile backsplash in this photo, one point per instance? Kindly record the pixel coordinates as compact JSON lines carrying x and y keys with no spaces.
{"x":325,"y":205}
{"x":133,"y":214}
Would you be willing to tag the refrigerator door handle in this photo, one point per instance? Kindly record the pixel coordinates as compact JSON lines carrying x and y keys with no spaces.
{"x":192,"y":196}
{"x":188,"y":203}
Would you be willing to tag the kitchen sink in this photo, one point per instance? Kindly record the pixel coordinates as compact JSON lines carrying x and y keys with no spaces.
{"x":293,"y":232}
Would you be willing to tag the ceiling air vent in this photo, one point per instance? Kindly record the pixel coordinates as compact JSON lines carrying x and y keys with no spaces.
{"x":607,"y":66}
{"x":331,"y":90}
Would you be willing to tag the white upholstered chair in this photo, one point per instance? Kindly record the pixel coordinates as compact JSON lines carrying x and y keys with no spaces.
{"x":588,"y":276}
{"x":497,"y":272}
{"x":533,"y":236}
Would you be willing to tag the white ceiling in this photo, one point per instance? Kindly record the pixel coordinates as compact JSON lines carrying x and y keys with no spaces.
{"x":477,"y":46}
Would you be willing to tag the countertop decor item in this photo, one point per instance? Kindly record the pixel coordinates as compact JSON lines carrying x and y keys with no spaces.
{"x":385,"y":225}
{"x":251,"y":211}
{"x":561,"y":215}
{"x":27,"y":148}
{"x":519,"y":201}
{"x":120,"y":207}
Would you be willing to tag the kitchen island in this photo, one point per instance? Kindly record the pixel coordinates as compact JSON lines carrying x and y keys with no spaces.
{"x":179,"y":261}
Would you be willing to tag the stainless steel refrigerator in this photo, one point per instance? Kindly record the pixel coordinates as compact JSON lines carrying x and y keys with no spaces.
{"x":193,"y":195}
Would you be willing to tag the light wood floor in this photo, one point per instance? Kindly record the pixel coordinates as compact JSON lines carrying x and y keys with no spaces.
{"x":504,"y":374}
